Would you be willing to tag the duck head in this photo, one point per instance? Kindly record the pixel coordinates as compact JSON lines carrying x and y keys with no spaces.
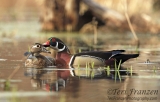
{"x":56,"y":44}
{"x":38,"y":48}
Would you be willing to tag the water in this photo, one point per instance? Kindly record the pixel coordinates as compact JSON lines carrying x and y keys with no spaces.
{"x":37,"y":85}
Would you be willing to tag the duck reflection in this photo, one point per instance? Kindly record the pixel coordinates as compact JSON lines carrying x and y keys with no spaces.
{"x":53,"y":79}
{"x":45,"y":79}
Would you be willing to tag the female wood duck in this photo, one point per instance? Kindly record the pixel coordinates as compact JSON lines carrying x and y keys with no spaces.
{"x":99,"y":58}
{"x":37,"y":60}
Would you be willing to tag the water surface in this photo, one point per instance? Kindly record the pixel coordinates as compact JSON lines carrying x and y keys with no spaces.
{"x":37,"y":85}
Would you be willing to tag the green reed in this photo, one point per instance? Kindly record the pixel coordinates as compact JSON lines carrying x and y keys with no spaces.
{"x":14,"y":98}
{"x":154,"y":70}
{"x":62,"y":98}
{"x":117,"y":71}
{"x":79,"y":50}
{"x":127,"y":71}
{"x":79,"y":71}
{"x":108,"y":70}
{"x":131,"y":70}
{"x":29,"y":48}
{"x":92,"y":71}
{"x":137,"y":50}
{"x":73,"y":49}
{"x":7,"y":85}
{"x":86,"y":69}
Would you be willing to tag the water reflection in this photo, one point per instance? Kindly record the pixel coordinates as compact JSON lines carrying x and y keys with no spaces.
{"x":51,"y":79}
{"x":79,"y":89}
{"x":44,"y":79}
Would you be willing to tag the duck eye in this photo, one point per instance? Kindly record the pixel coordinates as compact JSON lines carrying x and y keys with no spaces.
{"x":38,"y":46}
{"x":60,"y":46}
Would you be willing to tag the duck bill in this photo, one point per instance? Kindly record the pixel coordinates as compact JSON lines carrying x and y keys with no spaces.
{"x":45,"y":50}
{"x":46,"y":44}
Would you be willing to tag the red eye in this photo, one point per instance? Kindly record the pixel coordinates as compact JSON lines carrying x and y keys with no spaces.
{"x":53,"y":40}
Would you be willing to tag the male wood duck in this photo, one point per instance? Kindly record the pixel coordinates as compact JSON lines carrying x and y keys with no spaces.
{"x":37,"y":60}
{"x":99,"y":58}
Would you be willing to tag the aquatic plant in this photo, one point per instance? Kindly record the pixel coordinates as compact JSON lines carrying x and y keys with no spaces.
{"x":79,"y":50}
{"x":117,"y":71}
{"x":14,"y":98}
{"x":62,"y":98}
{"x":86,"y":69}
{"x":92,"y":71}
{"x":7,"y":85}
{"x":107,"y":70}
{"x":79,"y":71}
{"x":29,"y":49}
{"x":154,"y":70}
{"x":131,"y":70}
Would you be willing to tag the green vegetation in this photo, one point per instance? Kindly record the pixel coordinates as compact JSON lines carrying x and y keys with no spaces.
{"x":7,"y":85}
{"x":117,"y":71}
{"x":92,"y":70}
{"x":108,"y":70}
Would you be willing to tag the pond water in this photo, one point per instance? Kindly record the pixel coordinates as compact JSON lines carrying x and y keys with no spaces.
{"x":38,"y":85}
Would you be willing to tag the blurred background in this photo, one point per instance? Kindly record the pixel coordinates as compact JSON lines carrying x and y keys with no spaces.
{"x":84,"y":25}
{"x":71,"y":15}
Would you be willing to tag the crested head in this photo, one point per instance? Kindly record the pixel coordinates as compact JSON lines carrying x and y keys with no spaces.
{"x":56,"y":44}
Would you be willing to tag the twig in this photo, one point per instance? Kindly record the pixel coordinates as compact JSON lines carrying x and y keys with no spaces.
{"x":14,"y":72}
{"x":94,"y":22}
{"x":128,"y":20}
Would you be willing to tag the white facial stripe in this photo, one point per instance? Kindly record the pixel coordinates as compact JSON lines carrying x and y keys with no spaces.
{"x":61,"y":49}
{"x":56,"y":47}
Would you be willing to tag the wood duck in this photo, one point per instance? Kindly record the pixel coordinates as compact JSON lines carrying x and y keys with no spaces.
{"x":99,"y":58}
{"x":37,"y":60}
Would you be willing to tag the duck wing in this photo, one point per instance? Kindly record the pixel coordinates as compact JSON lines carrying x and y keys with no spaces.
{"x":105,"y":55}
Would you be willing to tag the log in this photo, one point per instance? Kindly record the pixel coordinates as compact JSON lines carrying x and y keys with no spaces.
{"x":63,"y":15}
{"x":60,"y":15}
{"x":104,"y":13}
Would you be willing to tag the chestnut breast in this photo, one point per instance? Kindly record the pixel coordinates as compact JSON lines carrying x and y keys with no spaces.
{"x":62,"y":60}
